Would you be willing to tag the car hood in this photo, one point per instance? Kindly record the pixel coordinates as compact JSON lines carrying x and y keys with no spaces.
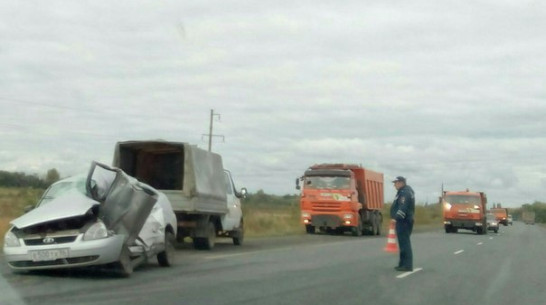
{"x":69,"y":205}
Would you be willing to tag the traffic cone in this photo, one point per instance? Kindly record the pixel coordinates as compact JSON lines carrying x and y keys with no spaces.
{"x":391,"y":239}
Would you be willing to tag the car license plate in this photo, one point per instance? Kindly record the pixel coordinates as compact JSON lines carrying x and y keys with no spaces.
{"x":48,"y":255}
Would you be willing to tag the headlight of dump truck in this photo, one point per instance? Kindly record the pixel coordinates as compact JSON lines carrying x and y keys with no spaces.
{"x":305,"y":215}
{"x":96,"y":231}
{"x":447,"y":206}
{"x":348,"y":216}
{"x":10,"y":240}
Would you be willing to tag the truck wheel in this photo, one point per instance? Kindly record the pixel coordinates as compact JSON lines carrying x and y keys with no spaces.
{"x":310,"y":229}
{"x":208,"y":242}
{"x":357,"y":231}
{"x":479,"y":231}
{"x":239,"y":235}
{"x":165,"y":258}
{"x":379,"y":224}
{"x":124,"y":266}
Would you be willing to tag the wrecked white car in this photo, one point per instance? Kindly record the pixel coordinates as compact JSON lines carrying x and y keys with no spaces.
{"x":104,"y":218}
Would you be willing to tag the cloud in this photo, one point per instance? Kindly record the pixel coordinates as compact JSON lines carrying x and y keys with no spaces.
{"x":446,"y":93}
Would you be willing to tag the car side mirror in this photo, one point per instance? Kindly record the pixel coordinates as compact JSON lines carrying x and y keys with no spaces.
{"x":243,"y":193}
{"x":298,"y":184}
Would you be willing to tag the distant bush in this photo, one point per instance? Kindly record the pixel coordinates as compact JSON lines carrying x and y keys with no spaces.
{"x":20,"y":179}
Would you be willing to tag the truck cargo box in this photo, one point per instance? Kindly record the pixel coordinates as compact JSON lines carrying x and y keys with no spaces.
{"x":192,"y":178}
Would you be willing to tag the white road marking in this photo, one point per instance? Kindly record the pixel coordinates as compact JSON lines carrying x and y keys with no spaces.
{"x":458,"y":252}
{"x":479,"y":244}
{"x":403,"y":275}
{"x":490,"y":237}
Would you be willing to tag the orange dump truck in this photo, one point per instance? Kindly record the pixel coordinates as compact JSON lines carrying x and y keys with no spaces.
{"x":501,"y":214}
{"x":341,"y":197}
{"x":464,"y":210}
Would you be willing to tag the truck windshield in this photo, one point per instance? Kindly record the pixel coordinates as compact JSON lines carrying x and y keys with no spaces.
{"x":327,"y":182}
{"x":463,"y":199}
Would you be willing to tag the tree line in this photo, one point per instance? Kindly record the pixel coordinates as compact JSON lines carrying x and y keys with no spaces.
{"x":21,"y":179}
{"x":538,"y":207}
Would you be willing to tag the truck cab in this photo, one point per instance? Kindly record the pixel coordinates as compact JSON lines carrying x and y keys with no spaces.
{"x":464,"y":210}
{"x":339,"y":197}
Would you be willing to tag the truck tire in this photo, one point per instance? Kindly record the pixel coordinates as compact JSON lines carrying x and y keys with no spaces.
{"x":211,"y":237}
{"x":165,"y":258}
{"x":357,"y":231}
{"x":496,"y":230}
{"x":310,"y":229}
{"x":379,"y":219}
{"x":479,"y":231}
{"x":239,"y":235}
{"x":206,"y":243}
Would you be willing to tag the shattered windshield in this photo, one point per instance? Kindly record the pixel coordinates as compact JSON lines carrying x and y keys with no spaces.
{"x":61,"y":188}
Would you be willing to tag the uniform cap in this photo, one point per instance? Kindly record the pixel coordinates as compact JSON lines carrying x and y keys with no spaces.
{"x":399,"y":178}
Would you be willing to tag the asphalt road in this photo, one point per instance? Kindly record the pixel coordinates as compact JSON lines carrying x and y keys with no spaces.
{"x":463,"y":268}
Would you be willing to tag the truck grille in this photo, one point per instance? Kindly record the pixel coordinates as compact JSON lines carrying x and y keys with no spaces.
{"x":326,"y":206}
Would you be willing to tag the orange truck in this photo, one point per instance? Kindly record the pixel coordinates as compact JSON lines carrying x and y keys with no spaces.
{"x":501,"y":214}
{"x":336,"y":198}
{"x":464,"y":210}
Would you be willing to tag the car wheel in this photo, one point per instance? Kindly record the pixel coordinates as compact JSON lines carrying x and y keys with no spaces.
{"x":165,"y":258}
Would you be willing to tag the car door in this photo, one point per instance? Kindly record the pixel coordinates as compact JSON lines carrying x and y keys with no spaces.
{"x":125,"y":203}
{"x":233,"y":217}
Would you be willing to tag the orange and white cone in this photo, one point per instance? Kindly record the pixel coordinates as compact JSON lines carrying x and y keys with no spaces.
{"x":391,"y":239}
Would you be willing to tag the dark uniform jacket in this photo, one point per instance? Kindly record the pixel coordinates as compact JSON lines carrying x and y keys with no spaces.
{"x":403,"y":207}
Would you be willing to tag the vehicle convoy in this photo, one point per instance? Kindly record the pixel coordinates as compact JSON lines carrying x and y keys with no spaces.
{"x":501,"y":214}
{"x":492,"y":223}
{"x":528,"y":217}
{"x":341,"y":197}
{"x":464,"y":210}
{"x":201,"y":192}
{"x":103,"y":218}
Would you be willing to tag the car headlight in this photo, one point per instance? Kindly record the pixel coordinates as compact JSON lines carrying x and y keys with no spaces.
{"x":11,"y":240}
{"x":96,"y":231}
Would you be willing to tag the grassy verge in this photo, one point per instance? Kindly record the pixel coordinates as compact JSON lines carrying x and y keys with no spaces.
{"x":267,"y":219}
{"x":272,"y":220}
{"x":12,"y":204}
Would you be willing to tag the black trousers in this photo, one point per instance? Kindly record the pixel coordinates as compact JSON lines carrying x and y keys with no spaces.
{"x":403,"y":233}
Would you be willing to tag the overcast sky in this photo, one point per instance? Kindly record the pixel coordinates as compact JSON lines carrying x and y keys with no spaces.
{"x":445,"y":92}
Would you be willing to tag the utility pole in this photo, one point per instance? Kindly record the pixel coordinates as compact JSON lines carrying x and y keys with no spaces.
{"x":210,"y":134}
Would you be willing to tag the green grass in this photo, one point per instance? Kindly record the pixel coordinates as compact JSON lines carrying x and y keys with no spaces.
{"x":272,"y":220}
{"x":12,"y":205}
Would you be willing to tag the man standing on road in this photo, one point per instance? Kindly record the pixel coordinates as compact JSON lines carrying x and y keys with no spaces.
{"x":402,"y":210}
